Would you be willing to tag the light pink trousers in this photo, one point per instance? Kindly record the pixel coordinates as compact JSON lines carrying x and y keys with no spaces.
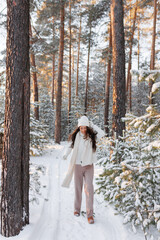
{"x":86,"y":172}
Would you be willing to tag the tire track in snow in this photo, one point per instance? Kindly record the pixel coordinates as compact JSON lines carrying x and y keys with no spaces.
{"x":107,"y":226}
{"x":56,"y":231}
{"x":48,"y":223}
{"x":57,"y":221}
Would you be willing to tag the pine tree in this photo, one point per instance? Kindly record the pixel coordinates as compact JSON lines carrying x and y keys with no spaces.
{"x":118,"y":54}
{"x":15,"y":157}
{"x":60,"y":77}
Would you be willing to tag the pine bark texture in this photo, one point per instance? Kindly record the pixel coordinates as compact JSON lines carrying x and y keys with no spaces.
{"x":107,"y":88}
{"x":34,"y":76}
{"x":118,"y":56}
{"x":129,"y":77}
{"x":152,"y":62}
{"x":15,"y":156}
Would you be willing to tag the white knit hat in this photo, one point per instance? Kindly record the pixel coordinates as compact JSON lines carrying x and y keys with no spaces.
{"x":83,"y":121}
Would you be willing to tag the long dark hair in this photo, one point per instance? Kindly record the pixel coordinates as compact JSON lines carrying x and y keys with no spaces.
{"x":89,"y":133}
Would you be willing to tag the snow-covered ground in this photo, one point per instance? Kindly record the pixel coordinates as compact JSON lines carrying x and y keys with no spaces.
{"x":53,"y":219}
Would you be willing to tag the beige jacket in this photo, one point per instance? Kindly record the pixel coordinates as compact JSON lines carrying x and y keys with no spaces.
{"x":88,"y":156}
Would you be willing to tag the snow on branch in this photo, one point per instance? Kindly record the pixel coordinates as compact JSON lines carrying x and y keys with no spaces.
{"x":146,"y":74}
{"x":139,"y":168}
{"x":155,"y":87}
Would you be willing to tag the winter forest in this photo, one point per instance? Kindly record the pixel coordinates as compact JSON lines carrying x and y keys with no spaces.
{"x":59,"y":60}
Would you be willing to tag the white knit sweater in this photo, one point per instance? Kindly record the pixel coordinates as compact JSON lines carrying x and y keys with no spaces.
{"x":81,"y":147}
{"x":84,"y":151}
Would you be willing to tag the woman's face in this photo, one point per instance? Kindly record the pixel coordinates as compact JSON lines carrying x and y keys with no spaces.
{"x":83,"y":129}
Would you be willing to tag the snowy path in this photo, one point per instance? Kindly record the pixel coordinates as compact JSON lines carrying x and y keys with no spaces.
{"x":48,"y":223}
{"x":53,"y":218}
{"x":60,"y":223}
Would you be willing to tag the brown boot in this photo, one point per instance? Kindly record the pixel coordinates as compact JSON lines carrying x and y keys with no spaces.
{"x":77,"y":214}
{"x":90,"y":220}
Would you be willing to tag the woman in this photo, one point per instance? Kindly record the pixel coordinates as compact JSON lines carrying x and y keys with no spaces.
{"x":83,"y":144}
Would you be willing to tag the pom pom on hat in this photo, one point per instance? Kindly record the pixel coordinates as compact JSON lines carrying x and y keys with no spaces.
{"x":83,"y":121}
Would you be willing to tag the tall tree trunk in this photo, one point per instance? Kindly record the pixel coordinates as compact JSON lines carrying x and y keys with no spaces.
{"x":138,"y":53}
{"x":60,"y":77}
{"x":70,"y":58}
{"x":15,"y":157}
{"x":34,"y":76}
{"x":152,"y":61}
{"x":107,"y":89}
{"x":118,"y":55}
{"x":53,"y":67}
{"x":86,"y":92}
{"x":79,"y":41}
{"x":138,"y":85}
{"x":129,"y":77}
{"x":1,"y":144}
{"x":53,"y":78}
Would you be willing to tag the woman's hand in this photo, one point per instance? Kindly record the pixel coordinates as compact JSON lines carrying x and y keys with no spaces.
{"x":65,"y":157}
